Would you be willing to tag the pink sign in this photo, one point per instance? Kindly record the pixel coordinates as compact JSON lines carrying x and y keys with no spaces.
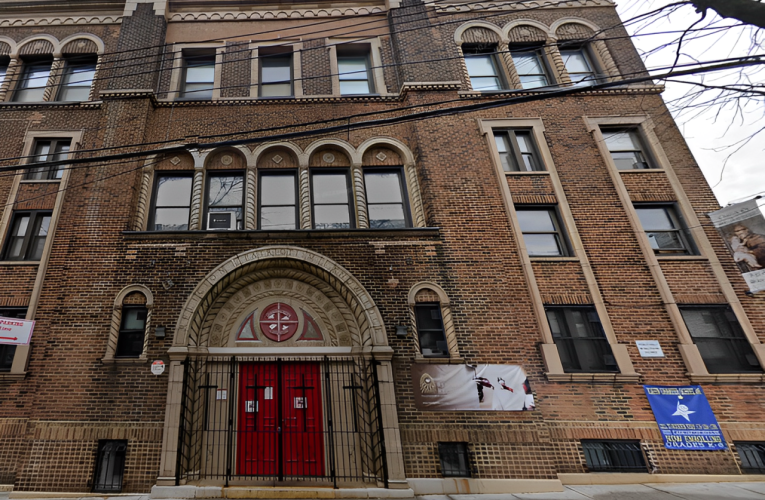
{"x":15,"y":331}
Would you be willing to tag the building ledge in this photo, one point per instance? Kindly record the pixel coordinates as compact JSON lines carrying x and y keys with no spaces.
{"x":12,"y":377}
{"x":297,"y":234}
{"x":124,"y":361}
{"x":728,"y":378}
{"x":628,"y":378}
{"x":439,"y":361}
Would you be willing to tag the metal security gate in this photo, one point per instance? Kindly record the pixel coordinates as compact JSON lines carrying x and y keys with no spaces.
{"x":251,"y":420}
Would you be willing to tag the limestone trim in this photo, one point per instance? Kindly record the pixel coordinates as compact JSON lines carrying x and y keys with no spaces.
{"x":646,"y":127}
{"x":451,"y":6}
{"x":296,"y":49}
{"x":60,"y":21}
{"x":21,"y":356}
{"x":367,"y":316}
{"x":446,"y":317}
{"x":377,"y":78}
{"x":255,"y":15}
{"x":537,"y":128}
{"x":176,"y":74}
{"x":114,"y":330}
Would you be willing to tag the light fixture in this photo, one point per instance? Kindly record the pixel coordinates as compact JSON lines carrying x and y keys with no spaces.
{"x":401,"y":331}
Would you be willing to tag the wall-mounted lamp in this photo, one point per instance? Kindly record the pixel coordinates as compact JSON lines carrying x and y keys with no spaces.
{"x":401,"y":331}
{"x":159,"y":332}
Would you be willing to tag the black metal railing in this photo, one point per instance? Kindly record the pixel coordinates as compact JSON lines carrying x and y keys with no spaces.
{"x":269,"y":420}
{"x":727,"y":354}
{"x":752,"y":457}
{"x":614,"y":456}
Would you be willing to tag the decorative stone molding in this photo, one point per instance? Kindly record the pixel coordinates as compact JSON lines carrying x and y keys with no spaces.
{"x":446,"y":317}
{"x":361,"y":197}
{"x":56,"y":70}
{"x":438,"y":86}
{"x":250,"y":206}
{"x":10,"y":75}
{"x":273,"y":14}
{"x":322,"y":270}
{"x":305,"y":199}
{"x":445,"y":7}
{"x":196,"y":200}
{"x":512,"y":74}
{"x":418,"y":211}
{"x":60,"y":20}
{"x":143,"y":195}
{"x":114,"y":331}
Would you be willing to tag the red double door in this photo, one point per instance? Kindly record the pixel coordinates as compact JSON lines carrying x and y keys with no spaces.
{"x":280,"y":420}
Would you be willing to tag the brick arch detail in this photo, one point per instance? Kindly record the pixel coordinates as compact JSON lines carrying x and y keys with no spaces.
{"x":96,"y":45}
{"x":460,"y":31}
{"x":188,"y":330}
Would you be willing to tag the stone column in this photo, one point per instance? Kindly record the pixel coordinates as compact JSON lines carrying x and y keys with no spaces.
{"x":10,"y":76}
{"x":250,"y":200}
{"x":553,"y":54}
{"x":195,"y":222}
{"x":514,"y":81}
{"x":305,"y":199}
{"x":168,"y":459}
{"x":394,"y":453}
{"x":54,"y":80}
{"x":362,"y":216}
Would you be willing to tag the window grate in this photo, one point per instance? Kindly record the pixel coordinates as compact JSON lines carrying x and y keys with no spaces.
{"x":614,"y":456}
{"x":455,"y":461}
{"x":110,"y":466}
{"x":752,"y":457}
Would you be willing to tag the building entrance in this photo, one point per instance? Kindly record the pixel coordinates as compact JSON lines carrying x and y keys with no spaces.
{"x":281,"y":424}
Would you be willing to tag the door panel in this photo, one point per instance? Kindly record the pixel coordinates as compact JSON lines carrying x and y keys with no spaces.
{"x":290,"y":392}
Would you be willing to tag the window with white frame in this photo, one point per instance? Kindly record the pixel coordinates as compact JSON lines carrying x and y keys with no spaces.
{"x":198,"y":80}
{"x":331,"y":199}
{"x":277,"y":200}
{"x":385,"y":198}
{"x":531,"y":68}
{"x":276,"y":74}
{"x":354,"y":69}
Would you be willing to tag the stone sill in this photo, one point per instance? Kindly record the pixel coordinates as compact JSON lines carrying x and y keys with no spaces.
{"x":554,"y":259}
{"x":12,"y":377}
{"x":51,"y":104}
{"x":20,"y":263}
{"x":296,"y":234}
{"x":728,"y":378}
{"x":439,"y":361}
{"x":534,"y":172}
{"x":124,"y":361}
{"x":630,"y":378}
{"x":642,"y":171}
{"x":681,"y":257}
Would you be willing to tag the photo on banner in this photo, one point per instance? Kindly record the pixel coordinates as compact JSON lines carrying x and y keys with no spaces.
{"x":471,"y":387}
{"x":742,"y":227}
{"x":685,"y":419}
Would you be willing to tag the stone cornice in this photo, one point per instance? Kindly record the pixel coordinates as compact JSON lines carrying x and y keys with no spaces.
{"x":627,"y":89}
{"x":60,"y":20}
{"x":274,"y":14}
{"x":460,"y":6}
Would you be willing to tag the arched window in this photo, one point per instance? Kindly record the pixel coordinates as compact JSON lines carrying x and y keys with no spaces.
{"x":131,"y":319}
{"x":431,"y":320}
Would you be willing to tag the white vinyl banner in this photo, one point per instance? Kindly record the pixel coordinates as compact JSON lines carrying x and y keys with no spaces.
{"x":15,"y":331}
{"x":473,"y":388}
{"x":743,"y":229}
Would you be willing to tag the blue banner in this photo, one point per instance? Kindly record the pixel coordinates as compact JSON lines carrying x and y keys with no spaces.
{"x":685,"y":418}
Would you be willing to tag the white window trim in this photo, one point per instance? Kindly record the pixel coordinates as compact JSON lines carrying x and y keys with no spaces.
{"x":375,"y":60}
{"x":21,"y":356}
{"x":548,"y":347}
{"x":176,"y":75}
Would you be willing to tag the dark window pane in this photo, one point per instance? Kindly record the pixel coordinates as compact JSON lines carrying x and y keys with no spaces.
{"x":132,"y":331}
{"x":75,"y":85}
{"x":26,"y":239}
{"x":580,"y":339}
{"x":33,"y":82}
{"x":455,"y":461}
{"x":430,"y":328}
{"x":752,"y":457}
{"x":110,"y":466}
{"x":614,"y":456}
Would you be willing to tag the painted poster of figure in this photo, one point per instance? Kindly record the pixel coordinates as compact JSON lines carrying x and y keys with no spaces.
{"x":743,"y":229}
{"x":472,"y":388}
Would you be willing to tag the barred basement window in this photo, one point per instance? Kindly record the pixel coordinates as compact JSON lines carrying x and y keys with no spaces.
{"x":752,"y":457}
{"x":614,"y":456}
{"x":455,"y":461}
{"x":110,"y":466}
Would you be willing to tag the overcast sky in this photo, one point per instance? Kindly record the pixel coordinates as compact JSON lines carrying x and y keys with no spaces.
{"x":708,"y":135}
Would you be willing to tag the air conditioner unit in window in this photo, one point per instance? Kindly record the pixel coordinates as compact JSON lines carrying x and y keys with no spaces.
{"x":221,"y":221}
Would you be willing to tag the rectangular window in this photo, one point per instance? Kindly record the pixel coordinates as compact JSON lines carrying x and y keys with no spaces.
{"x":529,"y":64}
{"x":77,"y":80}
{"x":26,"y":239}
{"x":542,"y":233}
{"x":579,"y":66}
{"x":172,"y":201}
{"x":517,"y":151}
{"x":354,"y":71}
{"x":276,"y":75}
{"x":110,"y":466}
{"x":225,"y":195}
{"x":752,"y":457}
{"x":34,"y":79}
{"x":330,"y":194}
{"x":48,"y":150}
{"x":132,"y":332}
{"x":614,"y":456}
{"x":455,"y":461}
{"x":277,"y":199}
{"x":665,"y":230}
{"x":198,"y":75}
{"x":430,"y":328}
{"x":721,"y":341}
{"x":581,"y":341}
{"x":385,"y":199}
{"x":626,"y":149}
{"x":7,"y":351}
{"x":4,"y":62}
{"x":482,"y":68}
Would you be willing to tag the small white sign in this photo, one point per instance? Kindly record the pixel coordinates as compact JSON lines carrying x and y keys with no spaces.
{"x":16,"y":331}
{"x":649,"y":349}
{"x":251,"y":406}
{"x":221,"y":394}
{"x":158,"y":367}
{"x":300,"y":404}
{"x":268,"y":393}
{"x":755,"y":280}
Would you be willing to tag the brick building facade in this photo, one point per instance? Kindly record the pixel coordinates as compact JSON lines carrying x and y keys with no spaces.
{"x":420,"y":184}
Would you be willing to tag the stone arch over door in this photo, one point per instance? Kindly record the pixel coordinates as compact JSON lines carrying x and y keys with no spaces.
{"x":238,"y":289}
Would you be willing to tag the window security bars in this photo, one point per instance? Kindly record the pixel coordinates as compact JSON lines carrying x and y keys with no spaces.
{"x":752,"y":457}
{"x":266,"y":420}
{"x":110,"y":466}
{"x":455,"y":460}
{"x":614,"y":456}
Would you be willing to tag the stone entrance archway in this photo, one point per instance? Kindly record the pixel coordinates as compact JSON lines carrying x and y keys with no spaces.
{"x":331,"y":301}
